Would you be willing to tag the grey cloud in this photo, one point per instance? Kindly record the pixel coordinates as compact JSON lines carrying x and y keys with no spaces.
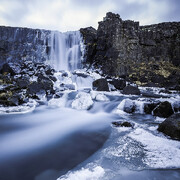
{"x":135,"y":10}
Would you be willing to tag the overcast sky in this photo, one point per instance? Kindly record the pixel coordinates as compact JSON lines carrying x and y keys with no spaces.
{"x":66,"y":15}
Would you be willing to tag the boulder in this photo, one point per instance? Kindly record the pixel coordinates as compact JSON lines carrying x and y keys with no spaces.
{"x":148,"y":107}
{"x":131,"y":90}
{"x":171,"y":126}
{"x":127,"y":105}
{"x":164,"y":109}
{"x":118,"y":83}
{"x":100,"y":85}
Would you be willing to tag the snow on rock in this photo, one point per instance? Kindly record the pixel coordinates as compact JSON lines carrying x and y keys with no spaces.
{"x":82,"y":101}
{"x":160,"y":152}
{"x":98,"y":96}
{"x":101,"y":97}
{"x":126,"y":105}
{"x":59,"y":102}
{"x":25,"y":108}
{"x":95,"y":173}
{"x":131,"y":106}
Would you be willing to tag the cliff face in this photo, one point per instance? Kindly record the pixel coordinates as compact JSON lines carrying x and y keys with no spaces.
{"x":119,"y":46}
{"x":18,"y":44}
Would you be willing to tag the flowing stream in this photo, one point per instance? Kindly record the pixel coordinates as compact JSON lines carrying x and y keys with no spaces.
{"x":71,"y":137}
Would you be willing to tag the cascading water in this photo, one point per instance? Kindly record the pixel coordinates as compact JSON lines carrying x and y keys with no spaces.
{"x":66,"y":50}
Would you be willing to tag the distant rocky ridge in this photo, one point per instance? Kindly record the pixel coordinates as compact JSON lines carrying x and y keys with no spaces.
{"x":143,"y":54}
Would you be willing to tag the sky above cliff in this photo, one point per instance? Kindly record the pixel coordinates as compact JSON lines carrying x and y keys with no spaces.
{"x":64,"y":15}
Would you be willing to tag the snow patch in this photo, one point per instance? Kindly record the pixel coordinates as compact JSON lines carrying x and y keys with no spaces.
{"x":60,"y":102}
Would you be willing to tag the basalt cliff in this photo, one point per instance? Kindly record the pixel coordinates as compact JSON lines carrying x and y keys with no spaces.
{"x":143,"y":54}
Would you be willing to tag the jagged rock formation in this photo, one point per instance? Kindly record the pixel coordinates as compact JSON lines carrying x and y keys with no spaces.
{"x":18,"y":44}
{"x":123,"y":48}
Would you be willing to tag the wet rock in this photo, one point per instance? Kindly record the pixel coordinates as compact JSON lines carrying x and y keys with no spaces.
{"x":176,"y":106}
{"x":122,"y":124}
{"x":11,"y":98}
{"x":131,"y":90}
{"x":118,"y":83}
{"x":53,"y":78}
{"x":171,"y":126}
{"x":148,"y":107}
{"x":23,"y":82}
{"x":164,"y":109}
{"x":34,"y":88}
{"x":127,"y":105}
{"x":100,"y":85}
{"x":64,"y":74}
{"x":11,"y":68}
{"x":152,"y":95}
{"x":49,"y":70}
{"x":67,"y":86}
{"x":90,"y":37}
{"x":80,"y":74}
{"x":45,"y":82}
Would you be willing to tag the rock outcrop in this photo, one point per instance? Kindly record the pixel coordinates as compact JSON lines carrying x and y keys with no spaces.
{"x":18,"y":44}
{"x":142,"y":53}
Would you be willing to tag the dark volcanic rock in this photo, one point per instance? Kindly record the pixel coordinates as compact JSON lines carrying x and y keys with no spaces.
{"x":164,"y":109}
{"x":118,"y":83}
{"x":171,"y":126}
{"x":141,"y":53}
{"x":23,"y":44}
{"x":90,"y":37}
{"x":100,"y":85}
{"x":34,"y":87}
{"x":131,"y":90}
{"x":11,"y":98}
{"x":23,"y":82}
{"x":148,"y":107}
{"x":11,"y":68}
{"x":122,"y":124}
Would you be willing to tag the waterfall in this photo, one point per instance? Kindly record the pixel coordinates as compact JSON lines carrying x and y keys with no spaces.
{"x":65,"y":50}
